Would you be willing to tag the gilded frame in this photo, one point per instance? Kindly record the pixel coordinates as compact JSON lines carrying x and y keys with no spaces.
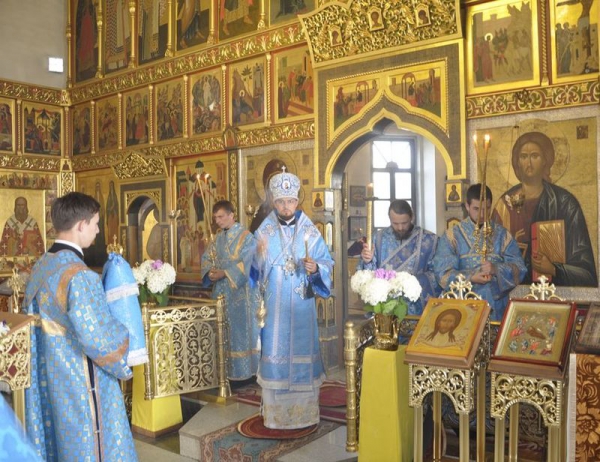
{"x":81,"y":129}
{"x":38,"y":209}
{"x":454,"y":193}
{"x":535,"y":332}
{"x":571,"y":60}
{"x":191,"y":237}
{"x":317,"y":201}
{"x":468,"y":317}
{"x":494,"y":62}
{"x":107,"y":124}
{"x":42,"y":127}
{"x":7,"y":126}
{"x":420,"y":89}
{"x":575,"y":135}
{"x":206,"y":102}
{"x":247,"y":95}
{"x":293,"y":85}
{"x":169,"y":108}
{"x":136,"y":118}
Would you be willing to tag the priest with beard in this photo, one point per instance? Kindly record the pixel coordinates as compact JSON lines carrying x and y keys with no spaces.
{"x":404,"y":247}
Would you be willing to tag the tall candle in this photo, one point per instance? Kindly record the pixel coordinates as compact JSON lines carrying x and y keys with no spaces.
{"x":369,"y":200}
{"x":486,"y":143}
{"x":306,"y":246}
{"x":475,"y":143}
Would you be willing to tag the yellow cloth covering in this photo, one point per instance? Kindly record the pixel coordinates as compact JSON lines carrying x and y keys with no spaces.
{"x":153,"y":417}
{"x":386,"y":420}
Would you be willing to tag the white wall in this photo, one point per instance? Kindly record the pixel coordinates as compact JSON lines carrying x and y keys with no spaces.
{"x":30,"y":32}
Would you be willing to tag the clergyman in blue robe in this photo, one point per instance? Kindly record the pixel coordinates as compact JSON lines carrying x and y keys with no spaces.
{"x":293,"y":265}
{"x":404,"y":247}
{"x":74,"y":407}
{"x":226,"y":264}
{"x":459,"y":252}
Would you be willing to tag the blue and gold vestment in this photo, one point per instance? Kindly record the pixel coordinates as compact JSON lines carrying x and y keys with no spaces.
{"x":235,"y":249}
{"x":413,"y":255}
{"x":291,"y":370}
{"x":74,"y":407}
{"x":456,"y":254}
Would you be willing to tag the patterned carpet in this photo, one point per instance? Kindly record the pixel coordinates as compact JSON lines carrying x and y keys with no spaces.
{"x":227,"y":444}
{"x":332,"y":399}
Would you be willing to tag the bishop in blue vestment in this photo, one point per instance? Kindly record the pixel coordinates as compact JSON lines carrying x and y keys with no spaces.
{"x":292,"y":265}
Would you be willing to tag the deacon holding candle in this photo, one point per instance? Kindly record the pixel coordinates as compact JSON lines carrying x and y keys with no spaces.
{"x":402,"y":246}
{"x":292,"y":264}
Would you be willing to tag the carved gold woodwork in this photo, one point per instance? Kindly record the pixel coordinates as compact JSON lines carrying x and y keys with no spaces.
{"x":342,"y":30}
{"x":67,"y":178}
{"x":271,"y":40}
{"x":544,"y":394}
{"x":15,"y":358}
{"x":25,"y":162}
{"x":134,"y":165}
{"x":459,"y":385}
{"x":32,"y":93}
{"x":533,"y":99}
{"x":154,"y":194}
{"x":233,"y":179}
{"x":186,"y":347}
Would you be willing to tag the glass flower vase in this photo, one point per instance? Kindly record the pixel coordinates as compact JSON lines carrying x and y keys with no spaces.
{"x":386,"y":331}
{"x":159,"y":299}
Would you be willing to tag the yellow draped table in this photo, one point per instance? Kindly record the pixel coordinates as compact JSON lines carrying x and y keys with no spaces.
{"x":153,"y":417}
{"x":386,"y":420}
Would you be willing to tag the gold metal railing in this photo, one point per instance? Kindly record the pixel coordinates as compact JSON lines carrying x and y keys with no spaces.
{"x":187,"y":347}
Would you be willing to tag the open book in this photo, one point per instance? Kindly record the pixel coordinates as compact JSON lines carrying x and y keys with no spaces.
{"x":548,"y":237}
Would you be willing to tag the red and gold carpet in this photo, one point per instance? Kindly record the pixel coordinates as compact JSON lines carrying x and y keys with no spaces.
{"x":332,"y":399}
{"x":229,"y":445}
{"x":253,"y":427}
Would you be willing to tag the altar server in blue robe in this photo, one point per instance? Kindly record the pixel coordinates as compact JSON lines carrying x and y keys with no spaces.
{"x":404,"y":247}
{"x":226,"y":264}
{"x":292,"y":265}
{"x":457,"y":253}
{"x":74,"y":407}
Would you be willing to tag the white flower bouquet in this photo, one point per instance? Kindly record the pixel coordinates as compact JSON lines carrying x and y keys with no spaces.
{"x":155,"y":277}
{"x":386,"y":291}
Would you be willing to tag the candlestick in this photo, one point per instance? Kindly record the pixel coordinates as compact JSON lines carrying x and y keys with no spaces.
{"x":476,"y":146}
{"x":306,"y":246}
{"x":369,"y":200}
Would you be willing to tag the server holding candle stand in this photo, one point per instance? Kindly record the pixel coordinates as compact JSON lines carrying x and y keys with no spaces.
{"x":292,"y":263}
{"x":483,"y":251}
